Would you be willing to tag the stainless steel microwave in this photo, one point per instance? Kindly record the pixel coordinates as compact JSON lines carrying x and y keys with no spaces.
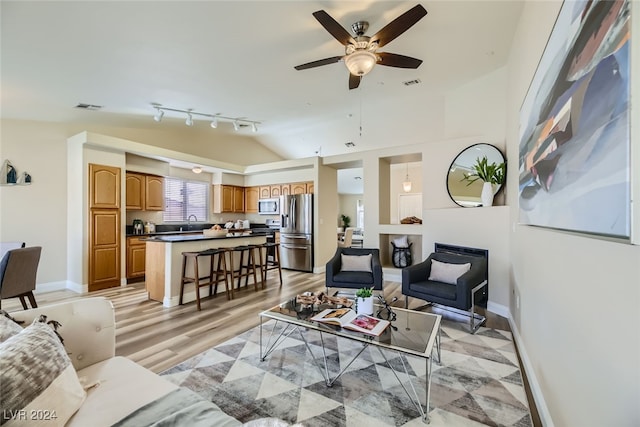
{"x":269,"y":206}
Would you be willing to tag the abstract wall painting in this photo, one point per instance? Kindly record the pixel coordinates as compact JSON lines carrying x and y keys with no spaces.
{"x":574,"y":124}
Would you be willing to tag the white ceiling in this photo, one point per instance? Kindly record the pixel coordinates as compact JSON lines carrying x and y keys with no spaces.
{"x":236,"y":58}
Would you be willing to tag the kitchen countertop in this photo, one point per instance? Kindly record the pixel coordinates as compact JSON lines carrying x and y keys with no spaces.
{"x":172,"y":237}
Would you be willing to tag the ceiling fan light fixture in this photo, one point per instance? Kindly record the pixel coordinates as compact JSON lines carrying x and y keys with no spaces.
{"x":189,"y":121}
{"x":360,"y":62}
{"x":236,"y":125}
{"x":254,"y":127}
{"x":214,"y":122}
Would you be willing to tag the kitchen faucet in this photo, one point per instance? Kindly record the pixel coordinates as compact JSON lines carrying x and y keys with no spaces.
{"x":189,"y":221}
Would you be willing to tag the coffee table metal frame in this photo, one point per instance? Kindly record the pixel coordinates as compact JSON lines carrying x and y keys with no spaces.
{"x":400,"y":337}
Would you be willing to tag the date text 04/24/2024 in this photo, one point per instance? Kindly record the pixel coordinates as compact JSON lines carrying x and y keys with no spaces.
{"x":29,"y":415}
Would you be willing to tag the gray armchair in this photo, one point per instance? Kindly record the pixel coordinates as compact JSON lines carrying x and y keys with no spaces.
{"x":354,"y":277}
{"x":459,"y":295}
{"x":18,"y":269}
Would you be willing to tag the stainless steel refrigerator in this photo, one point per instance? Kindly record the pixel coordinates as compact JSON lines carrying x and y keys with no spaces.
{"x":296,"y":232}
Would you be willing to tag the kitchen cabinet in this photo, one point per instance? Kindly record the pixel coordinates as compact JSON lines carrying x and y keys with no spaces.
{"x":228,"y":198}
{"x":144,"y":192}
{"x":251,"y":196}
{"x":298,"y":188}
{"x":310,"y":187}
{"x":285,"y":189}
{"x":104,"y":183}
{"x":104,"y":227}
{"x":154,"y":193}
{"x":265,"y":192}
{"x":136,"y":252}
{"x":276,"y":191}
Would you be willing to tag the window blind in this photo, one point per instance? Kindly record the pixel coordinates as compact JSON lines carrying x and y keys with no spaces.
{"x":185,"y":198}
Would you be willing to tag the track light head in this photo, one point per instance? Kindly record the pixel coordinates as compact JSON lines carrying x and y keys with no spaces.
{"x":189,"y":121}
{"x":214,"y":122}
{"x":254,"y":127}
{"x":159,"y":115}
{"x":236,"y":125}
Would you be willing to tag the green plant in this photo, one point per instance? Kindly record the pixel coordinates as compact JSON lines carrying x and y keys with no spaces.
{"x":487,"y":172}
{"x":364,"y":292}
{"x":345,"y":221}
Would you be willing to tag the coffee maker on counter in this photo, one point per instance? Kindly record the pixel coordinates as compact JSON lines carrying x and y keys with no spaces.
{"x":138,"y":228}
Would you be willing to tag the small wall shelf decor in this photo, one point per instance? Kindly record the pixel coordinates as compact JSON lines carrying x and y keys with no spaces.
{"x":9,"y":175}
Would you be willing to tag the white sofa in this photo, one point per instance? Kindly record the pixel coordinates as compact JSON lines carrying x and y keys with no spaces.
{"x":121,"y":385}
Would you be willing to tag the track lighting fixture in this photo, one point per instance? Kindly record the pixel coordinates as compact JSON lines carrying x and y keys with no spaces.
{"x":158,"y":115}
{"x":238,"y":122}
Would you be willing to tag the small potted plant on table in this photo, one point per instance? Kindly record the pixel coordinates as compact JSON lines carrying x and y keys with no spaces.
{"x":364,"y":301}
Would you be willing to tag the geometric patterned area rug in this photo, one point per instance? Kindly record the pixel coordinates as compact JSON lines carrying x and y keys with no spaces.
{"x":477,"y":383}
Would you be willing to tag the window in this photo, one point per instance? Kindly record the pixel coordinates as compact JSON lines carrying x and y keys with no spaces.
{"x":185,"y":198}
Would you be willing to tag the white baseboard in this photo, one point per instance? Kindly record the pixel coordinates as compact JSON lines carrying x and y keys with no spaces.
{"x":534,"y":385}
{"x":60,"y":286}
{"x":498,"y":309}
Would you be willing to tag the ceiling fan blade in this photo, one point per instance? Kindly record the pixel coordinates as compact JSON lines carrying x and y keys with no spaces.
{"x":318,"y":63}
{"x":354,"y":81}
{"x":399,"y":61}
{"x":332,"y":26}
{"x":399,"y":25}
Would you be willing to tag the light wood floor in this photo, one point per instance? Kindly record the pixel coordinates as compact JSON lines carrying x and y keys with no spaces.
{"x":159,"y":338}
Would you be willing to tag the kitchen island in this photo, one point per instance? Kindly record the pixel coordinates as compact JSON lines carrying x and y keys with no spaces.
{"x":163,"y":261}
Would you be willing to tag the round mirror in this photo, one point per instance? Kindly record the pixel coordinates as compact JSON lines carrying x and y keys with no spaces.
{"x":460,"y":190}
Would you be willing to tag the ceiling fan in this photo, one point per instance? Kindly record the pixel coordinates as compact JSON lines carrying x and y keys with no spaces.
{"x":361,"y":52}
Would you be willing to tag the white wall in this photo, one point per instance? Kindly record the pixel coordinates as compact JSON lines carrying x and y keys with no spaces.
{"x":579,"y":295}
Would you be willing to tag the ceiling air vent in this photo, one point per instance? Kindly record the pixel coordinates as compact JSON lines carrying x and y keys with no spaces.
{"x":89,"y":106}
{"x":412,"y":82}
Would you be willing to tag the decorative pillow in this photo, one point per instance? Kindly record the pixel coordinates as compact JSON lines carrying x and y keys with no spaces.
{"x":356,"y":262}
{"x":8,"y":328}
{"x":37,"y":377}
{"x":447,"y":273}
{"x":401,"y":242}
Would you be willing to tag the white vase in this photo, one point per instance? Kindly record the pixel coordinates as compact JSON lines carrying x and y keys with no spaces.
{"x":487,"y":194}
{"x":364,"y":305}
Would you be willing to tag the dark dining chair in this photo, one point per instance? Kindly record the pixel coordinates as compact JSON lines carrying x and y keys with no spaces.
{"x":18,"y":269}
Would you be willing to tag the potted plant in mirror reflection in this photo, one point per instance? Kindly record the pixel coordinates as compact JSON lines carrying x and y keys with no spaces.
{"x":492,"y":175}
{"x":364,"y":301}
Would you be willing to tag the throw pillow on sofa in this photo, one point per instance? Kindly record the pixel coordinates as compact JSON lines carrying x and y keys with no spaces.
{"x":39,"y":384}
{"x":355,"y":262}
{"x":447,"y":273}
{"x":8,"y":328}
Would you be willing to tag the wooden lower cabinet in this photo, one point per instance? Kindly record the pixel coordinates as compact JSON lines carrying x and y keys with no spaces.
{"x":104,"y":249}
{"x":136,"y":252}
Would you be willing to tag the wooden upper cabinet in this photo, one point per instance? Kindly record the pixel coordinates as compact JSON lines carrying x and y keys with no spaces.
{"x":104,"y":184}
{"x":238,"y":199}
{"x":285,"y":189}
{"x":135,"y":186}
{"x":310,"y":187}
{"x":276,"y":191}
{"x":228,"y":198}
{"x":251,"y":196}
{"x":154,"y":193}
{"x":298,"y":188}
{"x":265,"y":192}
{"x":144,"y":192}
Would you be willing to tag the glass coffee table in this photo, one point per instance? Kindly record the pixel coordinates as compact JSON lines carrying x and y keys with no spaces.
{"x":411,"y":333}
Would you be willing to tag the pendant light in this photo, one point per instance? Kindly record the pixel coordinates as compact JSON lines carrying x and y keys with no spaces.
{"x":406,"y":185}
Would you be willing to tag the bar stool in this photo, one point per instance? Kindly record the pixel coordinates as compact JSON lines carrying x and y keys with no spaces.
{"x":270,"y":264}
{"x":220,"y":272}
{"x":245,"y":267}
{"x":196,"y":278}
